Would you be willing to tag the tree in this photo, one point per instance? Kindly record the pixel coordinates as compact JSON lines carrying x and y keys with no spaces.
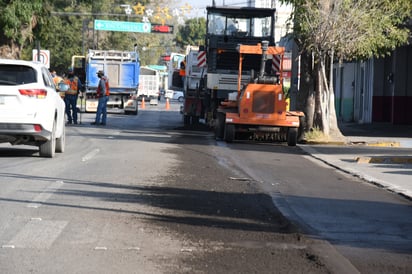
{"x":192,"y":32}
{"x":65,"y":27}
{"x":329,"y":30}
{"x":17,"y":21}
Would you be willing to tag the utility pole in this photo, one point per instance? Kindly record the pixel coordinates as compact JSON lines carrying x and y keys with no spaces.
{"x":84,"y":28}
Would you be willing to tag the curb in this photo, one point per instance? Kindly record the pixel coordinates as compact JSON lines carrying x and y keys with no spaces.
{"x":341,"y":143}
{"x":383,"y":160}
{"x":384,"y":144}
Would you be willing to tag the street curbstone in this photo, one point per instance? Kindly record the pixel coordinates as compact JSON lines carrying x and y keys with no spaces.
{"x":383,"y":160}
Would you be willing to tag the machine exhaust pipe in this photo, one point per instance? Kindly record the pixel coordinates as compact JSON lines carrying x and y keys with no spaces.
{"x":265,"y":45}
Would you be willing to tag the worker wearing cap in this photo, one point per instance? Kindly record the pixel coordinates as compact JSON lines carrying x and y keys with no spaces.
{"x":102,"y":94}
{"x":70,"y":96}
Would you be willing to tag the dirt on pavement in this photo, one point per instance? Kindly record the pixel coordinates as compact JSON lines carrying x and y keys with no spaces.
{"x":225,"y":223}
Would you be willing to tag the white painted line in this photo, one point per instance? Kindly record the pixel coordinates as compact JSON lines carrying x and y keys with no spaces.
{"x":33,"y":205}
{"x":35,"y":219}
{"x":90,"y":155}
{"x":100,"y":248}
{"x":45,"y":195}
{"x":133,"y":248}
{"x":8,"y":246}
{"x":37,"y":234}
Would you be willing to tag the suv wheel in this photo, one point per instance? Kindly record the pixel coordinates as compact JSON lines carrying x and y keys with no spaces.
{"x":61,"y":142}
{"x":48,"y":148}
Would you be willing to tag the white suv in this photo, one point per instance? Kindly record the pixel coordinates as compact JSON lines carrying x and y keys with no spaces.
{"x":31,"y":111}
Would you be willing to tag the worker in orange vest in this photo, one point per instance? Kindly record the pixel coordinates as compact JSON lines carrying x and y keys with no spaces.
{"x":57,"y":80}
{"x":70,"y":96}
{"x":182,"y":71}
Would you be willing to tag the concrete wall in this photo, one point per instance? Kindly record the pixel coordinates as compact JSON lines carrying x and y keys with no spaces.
{"x":392,"y":97}
{"x":344,"y":83}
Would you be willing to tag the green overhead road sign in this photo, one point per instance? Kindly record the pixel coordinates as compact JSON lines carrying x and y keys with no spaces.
{"x":122,"y":26}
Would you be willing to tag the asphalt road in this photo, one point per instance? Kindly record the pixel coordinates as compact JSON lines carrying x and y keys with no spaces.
{"x":145,"y":195}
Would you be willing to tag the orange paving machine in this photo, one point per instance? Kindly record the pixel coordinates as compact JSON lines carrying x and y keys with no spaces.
{"x":258,"y":110}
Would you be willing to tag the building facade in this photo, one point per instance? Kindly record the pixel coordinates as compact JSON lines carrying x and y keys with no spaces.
{"x":377,"y":90}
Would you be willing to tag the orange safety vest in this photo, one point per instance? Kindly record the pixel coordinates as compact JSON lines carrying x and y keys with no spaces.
{"x":182,"y":71}
{"x":57,"y":79}
{"x":106,"y":84}
{"x":73,"y":84}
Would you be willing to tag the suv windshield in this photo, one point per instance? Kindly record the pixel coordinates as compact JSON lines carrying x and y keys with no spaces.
{"x":16,"y":75}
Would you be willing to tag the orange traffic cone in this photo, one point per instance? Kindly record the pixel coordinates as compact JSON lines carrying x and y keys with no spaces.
{"x":143,"y":104}
{"x":167,"y":103}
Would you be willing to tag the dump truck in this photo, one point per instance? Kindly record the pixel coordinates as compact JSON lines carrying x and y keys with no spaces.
{"x":194,"y":94}
{"x":149,"y":85}
{"x":123,"y":70}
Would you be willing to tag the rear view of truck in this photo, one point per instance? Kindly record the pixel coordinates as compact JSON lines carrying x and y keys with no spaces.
{"x":194,"y":91}
{"x":123,"y":69}
{"x":149,"y":87}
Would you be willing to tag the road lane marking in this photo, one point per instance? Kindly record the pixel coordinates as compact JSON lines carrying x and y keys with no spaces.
{"x":90,"y":155}
{"x":38,"y":234}
{"x":45,"y":195}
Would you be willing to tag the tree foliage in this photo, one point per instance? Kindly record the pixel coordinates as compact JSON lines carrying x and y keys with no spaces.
{"x":192,"y":32}
{"x":65,"y":28}
{"x":17,"y":20}
{"x":329,"y":30}
{"x":358,"y":29}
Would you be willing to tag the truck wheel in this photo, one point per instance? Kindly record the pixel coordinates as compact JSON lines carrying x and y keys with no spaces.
{"x":229,"y":133}
{"x":292,"y":136}
{"x":220,"y":125}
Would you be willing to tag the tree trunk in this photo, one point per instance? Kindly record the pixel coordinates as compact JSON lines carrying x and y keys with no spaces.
{"x":10,"y":51}
{"x":319,"y":122}
{"x":335,"y":132}
{"x":329,"y":124}
{"x":323,"y":98}
{"x":306,"y":94}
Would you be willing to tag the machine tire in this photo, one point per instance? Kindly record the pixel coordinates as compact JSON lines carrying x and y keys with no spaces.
{"x":292,"y":136}
{"x":195,"y":120}
{"x":48,"y":149}
{"x":186,"y":120}
{"x":220,"y":125}
{"x":229,"y":133}
{"x":61,"y":142}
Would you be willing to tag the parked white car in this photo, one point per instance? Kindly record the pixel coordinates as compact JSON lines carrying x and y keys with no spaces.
{"x":31,"y":111}
{"x":175,"y":95}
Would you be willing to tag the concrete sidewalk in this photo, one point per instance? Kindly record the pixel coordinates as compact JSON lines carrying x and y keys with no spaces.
{"x":378,"y":153}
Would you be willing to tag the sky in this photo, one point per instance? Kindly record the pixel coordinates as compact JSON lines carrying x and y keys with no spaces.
{"x":199,"y":7}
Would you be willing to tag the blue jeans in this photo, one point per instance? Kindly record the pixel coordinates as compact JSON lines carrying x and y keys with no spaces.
{"x":71,"y":107}
{"x":102,"y":110}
